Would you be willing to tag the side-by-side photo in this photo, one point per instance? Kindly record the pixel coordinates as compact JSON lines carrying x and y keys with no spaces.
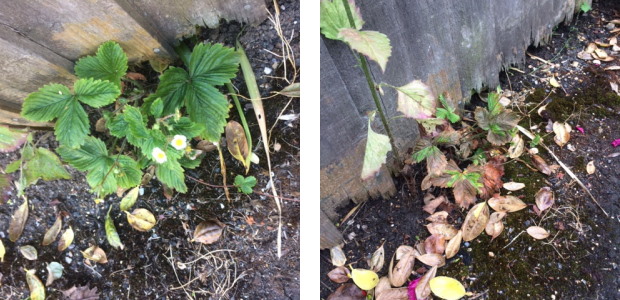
{"x":469,"y":149}
{"x":150,"y":149}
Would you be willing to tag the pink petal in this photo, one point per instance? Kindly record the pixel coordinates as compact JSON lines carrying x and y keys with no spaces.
{"x":616,"y":143}
{"x":580,"y":129}
{"x":411,"y":289}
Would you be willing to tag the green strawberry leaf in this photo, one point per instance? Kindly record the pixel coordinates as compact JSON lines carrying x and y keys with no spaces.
{"x":184,"y":126}
{"x":72,"y":126}
{"x":109,"y":64}
{"x":157,"y":108}
{"x":93,"y":158}
{"x":172,"y":174}
{"x":47,"y":103}
{"x":11,"y":139}
{"x":44,"y":165}
{"x":127,"y":173}
{"x":334,"y":18}
{"x":96,"y":93}
{"x":245,"y":184}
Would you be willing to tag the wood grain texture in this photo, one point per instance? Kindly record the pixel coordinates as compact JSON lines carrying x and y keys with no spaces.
{"x":453,"y":46}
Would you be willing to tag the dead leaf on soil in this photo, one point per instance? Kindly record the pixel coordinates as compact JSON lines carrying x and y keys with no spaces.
{"x":65,"y":239}
{"x":590,"y":168}
{"x":29,"y":252}
{"x":432,"y":259}
{"x":541,"y":165}
{"x":141,"y":219}
{"x":435,"y":243}
{"x":495,"y":226}
{"x":383,"y":285}
{"x":337,"y":256}
{"x":378,"y":258}
{"x":130,"y":199}
{"x":52,"y":233}
{"x":54,"y":271}
{"x":237,"y":142}
{"x":208,"y":232}
{"x":591,"y":47}
{"x":538,"y":233}
{"x":446,"y":230}
{"x":406,"y":258}
{"x":339,"y":275}
{"x":81,"y":293}
{"x":613,"y":41}
{"x":614,"y":87}
{"x":438,"y":217}
{"x":423,"y":289}
{"x":600,"y":53}
{"x":135,"y":76}
{"x":394,"y":294}
{"x":475,"y":222}
{"x":562,"y":133}
{"x":492,"y":176}
{"x":513,"y":186}
{"x":554,"y":82}
{"x":432,"y":205}
{"x":454,"y":245}
{"x":612,"y":68}
{"x":516,"y":146}
{"x":2,"y":251}
{"x":584,"y":55}
{"x":18,"y":221}
{"x":37,"y":290}
{"x":95,"y":254}
{"x":544,"y":198}
{"x":506,"y":203}
{"x":347,"y":291}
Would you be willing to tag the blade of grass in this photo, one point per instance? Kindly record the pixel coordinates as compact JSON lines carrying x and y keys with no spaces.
{"x":257,"y":103}
{"x":233,"y":94}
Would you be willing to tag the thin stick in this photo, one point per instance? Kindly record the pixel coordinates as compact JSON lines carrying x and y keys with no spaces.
{"x":231,"y":186}
{"x":223,"y":167}
{"x":568,"y":171}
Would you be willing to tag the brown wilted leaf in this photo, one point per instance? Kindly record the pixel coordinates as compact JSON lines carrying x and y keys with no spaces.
{"x":538,"y":233}
{"x":206,"y":146}
{"x":208,"y":232}
{"x":495,"y":226}
{"x":81,"y":293}
{"x":339,"y":275}
{"x":337,"y":256}
{"x":141,"y":219}
{"x":37,"y":290}
{"x":541,"y":165}
{"x":432,"y":259}
{"x":348,"y":291}
{"x":475,"y":222}
{"x":383,"y":285}
{"x":492,"y":174}
{"x":446,"y":230}
{"x":432,"y":205}
{"x":29,"y":252}
{"x":18,"y":221}
{"x":292,"y":90}
{"x":393,"y":294}
{"x":544,"y":198}
{"x":398,"y":274}
{"x":438,"y":217}
{"x":562,"y":133}
{"x":135,"y":76}
{"x":100,"y":125}
{"x":516,"y":146}
{"x":377,"y":259}
{"x":95,"y":254}
{"x":513,"y":186}
{"x":506,"y":203}
{"x":454,"y":245}
{"x":435,"y":243}
{"x":52,"y":233}
{"x":237,"y":142}
{"x":65,"y":239}
{"x":591,"y":47}
{"x":423,"y":289}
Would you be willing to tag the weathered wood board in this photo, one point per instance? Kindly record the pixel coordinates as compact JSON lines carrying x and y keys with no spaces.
{"x":453,"y":46}
{"x":41,"y":39}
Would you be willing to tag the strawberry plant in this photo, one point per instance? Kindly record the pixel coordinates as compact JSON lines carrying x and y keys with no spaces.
{"x":151,"y":134}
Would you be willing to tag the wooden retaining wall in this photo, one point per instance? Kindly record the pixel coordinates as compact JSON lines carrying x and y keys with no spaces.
{"x":455,"y":46}
{"x":41,"y":39}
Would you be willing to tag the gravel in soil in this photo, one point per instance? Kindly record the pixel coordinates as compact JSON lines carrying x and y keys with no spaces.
{"x":162,"y":263}
{"x":580,"y":258}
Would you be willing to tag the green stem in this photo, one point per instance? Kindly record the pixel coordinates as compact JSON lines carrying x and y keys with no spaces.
{"x":371,"y":86}
{"x":246,"y":128}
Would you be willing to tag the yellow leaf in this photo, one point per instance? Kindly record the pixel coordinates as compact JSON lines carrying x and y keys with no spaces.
{"x":365,"y":279}
{"x":553,"y":82}
{"x":447,"y":288}
{"x":2,"y":251}
{"x":37,"y":290}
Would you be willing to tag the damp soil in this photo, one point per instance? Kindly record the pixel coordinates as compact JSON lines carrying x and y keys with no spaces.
{"x":579,"y":260}
{"x":163,"y":263}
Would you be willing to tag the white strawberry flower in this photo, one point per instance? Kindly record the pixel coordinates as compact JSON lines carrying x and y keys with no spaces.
{"x":179,"y":142}
{"x":159,"y":155}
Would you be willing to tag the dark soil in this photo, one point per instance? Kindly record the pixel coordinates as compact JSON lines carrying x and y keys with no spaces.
{"x":162,"y":263}
{"x":580,"y":258}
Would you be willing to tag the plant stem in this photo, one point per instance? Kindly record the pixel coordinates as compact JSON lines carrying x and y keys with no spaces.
{"x":371,"y":86}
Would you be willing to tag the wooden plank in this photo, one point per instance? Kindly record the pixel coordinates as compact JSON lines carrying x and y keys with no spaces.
{"x":330,"y":235}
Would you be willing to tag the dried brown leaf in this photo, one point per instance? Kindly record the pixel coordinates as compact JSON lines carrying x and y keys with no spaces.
{"x":538,"y":233}
{"x":435,"y":243}
{"x":141,"y":219}
{"x":516,"y":146}
{"x":52,"y":233}
{"x":544,"y":198}
{"x":591,"y":47}
{"x":475,"y":222}
{"x":454,"y":245}
{"x":600,"y":53}
{"x":423,"y":289}
{"x":95,"y":254}
{"x":464,"y":193}
{"x":135,"y":76}
{"x":506,"y":203}
{"x":432,"y":259}
{"x":37,"y":290}
{"x":495,"y":226}
{"x":398,"y":274}
{"x":377,"y":259}
{"x":393,"y":294}
{"x":65,"y":239}
{"x":562,"y":133}
{"x":237,"y":142}
{"x":18,"y":221}
{"x":383,"y":285}
{"x":541,"y":165}
{"x":347,"y":291}
{"x":432,"y":205}
{"x":29,"y":252}
{"x":208,"y":232}
{"x":81,"y":293}
{"x":446,"y":230}
{"x":438,"y":217}
{"x":337,"y":256}
{"x":339,"y":275}
{"x":513,"y":186}
{"x":493,"y":171}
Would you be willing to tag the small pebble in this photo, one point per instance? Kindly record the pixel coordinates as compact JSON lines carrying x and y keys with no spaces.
{"x":610,"y":26}
{"x":267,"y":70}
{"x":68,"y":260}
